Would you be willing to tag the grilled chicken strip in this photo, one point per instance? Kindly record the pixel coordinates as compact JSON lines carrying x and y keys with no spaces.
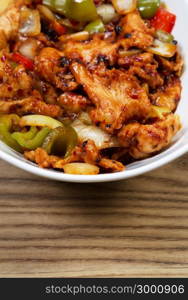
{"x":72,"y":102}
{"x":93,"y":50}
{"x":87,"y":152}
{"x":145,"y":140}
{"x":10,"y":19}
{"x":117,"y":97}
{"x":137,"y":32}
{"x":144,"y":66}
{"x":169,"y":95}
{"x":15,"y":83}
{"x":48,"y":65}
{"x":169,"y":66}
{"x":31,"y":104}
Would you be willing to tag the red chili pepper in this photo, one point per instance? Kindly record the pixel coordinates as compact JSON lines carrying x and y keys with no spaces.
{"x":60,"y":29}
{"x":26,"y":62}
{"x":163,"y":20}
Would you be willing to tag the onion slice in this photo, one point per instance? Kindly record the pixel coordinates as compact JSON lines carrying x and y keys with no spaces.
{"x":46,"y":13}
{"x":39,"y":120}
{"x":30,"y":22}
{"x":163,"y":49}
{"x":78,"y":36}
{"x":81,"y":169}
{"x":106,"y":12}
{"x":29,"y":48}
{"x":124,"y":6}
{"x":91,"y":132}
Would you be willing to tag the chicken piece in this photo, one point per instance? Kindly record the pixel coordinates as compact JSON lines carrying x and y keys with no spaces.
{"x":16,"y":83}
{"x":47,"y":91}
{"x":41,"y":157}
{"x":10,"y":18}
{"x":3,"y":40}
{"x":32,"y":104}
{"x":72,"y":102}
{"x":111,"y":165}
{"x":48,"y":66}
{"x":144,"y":66}
{"x":5,"y":68}
{"x":144,"y":140}
{"x":93,"y":50}
{"x":169,"y":95}
{"x":87,"y":152}
{"x":135,"y":31}
{"x":169,"y":66}
{"x":117,"y":97}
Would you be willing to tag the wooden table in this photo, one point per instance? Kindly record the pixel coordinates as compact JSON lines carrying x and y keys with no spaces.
{"x":136,"y":227}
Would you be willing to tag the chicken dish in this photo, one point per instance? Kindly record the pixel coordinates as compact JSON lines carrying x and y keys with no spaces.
{"x":89,"y":86}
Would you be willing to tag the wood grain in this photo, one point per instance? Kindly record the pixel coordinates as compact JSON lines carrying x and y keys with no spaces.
{"x":137,"y":227}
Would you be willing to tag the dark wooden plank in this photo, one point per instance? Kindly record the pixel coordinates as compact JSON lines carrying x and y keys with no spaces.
{"x":135,"y":227}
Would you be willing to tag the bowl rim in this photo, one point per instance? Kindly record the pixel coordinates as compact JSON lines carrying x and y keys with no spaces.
{"x":59,"y":176}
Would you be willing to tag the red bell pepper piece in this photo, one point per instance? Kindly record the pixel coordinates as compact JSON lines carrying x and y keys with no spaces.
{"x":163,"y":20}
{"x":26,"y":62}
{"x":60,"y":29}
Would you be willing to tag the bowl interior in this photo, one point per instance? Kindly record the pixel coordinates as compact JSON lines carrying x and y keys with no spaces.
{"x":178,"y":147}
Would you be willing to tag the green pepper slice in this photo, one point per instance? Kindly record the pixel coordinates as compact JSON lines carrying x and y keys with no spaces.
{"x":32,"y":139}
{"x":29,"y":134}
{"x":61,"y":141}
{"x":62,"y":6}
{"x":59,"y":6}
{"x":6,"y":124}
{"x":95,"y":27}
{"x":164,"y":36}
{"x":82,"y":10}
{"x":72,"y":140}
{"x":148,"y":8}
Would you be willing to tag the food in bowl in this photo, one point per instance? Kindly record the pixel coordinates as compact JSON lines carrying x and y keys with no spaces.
{"x":87,"y":87}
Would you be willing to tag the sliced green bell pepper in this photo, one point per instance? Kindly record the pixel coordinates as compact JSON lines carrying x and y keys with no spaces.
{"x":82,"y":10}
{"x":61,"y":141}
{"x":32,"y":139}
{"x":72,"y":140}
{"x":27,"y":135}
{"x":95,"y":27}
{"x":6,"y":124}
{"x":148,"y":8}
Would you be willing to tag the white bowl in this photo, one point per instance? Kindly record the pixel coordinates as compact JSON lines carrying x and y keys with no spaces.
{"x":178,"y":147}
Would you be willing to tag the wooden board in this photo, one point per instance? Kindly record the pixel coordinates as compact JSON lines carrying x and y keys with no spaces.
{"x":136,"y":227}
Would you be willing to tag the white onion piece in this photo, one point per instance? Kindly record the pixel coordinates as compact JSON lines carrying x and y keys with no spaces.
{"x":84,"y":117}
{"x":46,"y":13}
{"x":78,"y":36}
{"x":29,"y":48}
{"x":81,"y":169}
{"x":106,"y":12}
{"x":30,"y":22}
{"x":40,"y":121}
{"x":124,"y":6}
{"x":91,"y":132}
{"x":163,"y":49}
